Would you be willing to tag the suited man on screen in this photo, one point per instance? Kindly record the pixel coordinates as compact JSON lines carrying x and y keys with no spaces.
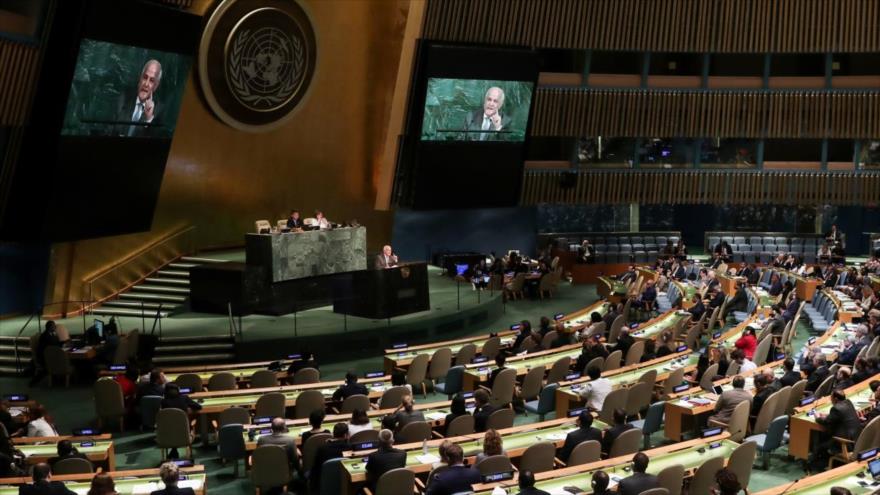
{"x":488,"y":119}
{"x":387,"y":259}
{"x":140,"y":106}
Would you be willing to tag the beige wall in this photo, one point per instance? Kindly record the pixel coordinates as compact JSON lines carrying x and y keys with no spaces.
{"x":327,"y":156}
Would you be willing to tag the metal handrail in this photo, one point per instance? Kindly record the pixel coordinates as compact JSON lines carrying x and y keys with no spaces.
{"x":38,"y":314}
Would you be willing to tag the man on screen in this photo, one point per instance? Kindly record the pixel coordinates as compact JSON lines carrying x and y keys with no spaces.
{"x":140,"y":107}
{"x":387,"y":259}
{"x":488,"y":119}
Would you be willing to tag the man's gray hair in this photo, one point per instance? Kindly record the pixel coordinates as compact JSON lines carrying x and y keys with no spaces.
{"x":158,"y":64}
{"x":386,"y":437}
{"x":500,"y":93}
{"x":169,"y":473}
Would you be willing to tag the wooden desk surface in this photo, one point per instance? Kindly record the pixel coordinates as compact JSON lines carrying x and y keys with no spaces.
{"x":820,"y":484}
{"x":127,"y":482}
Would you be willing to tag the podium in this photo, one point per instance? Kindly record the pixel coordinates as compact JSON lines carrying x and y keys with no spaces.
{"x":380,"y":294}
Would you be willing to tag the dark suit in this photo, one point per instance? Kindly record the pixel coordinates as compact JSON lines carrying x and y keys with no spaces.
{"x":456,"y":479}
{"x":776,"y":288}
{"x":777,"y":325}
{"x":287,"y":442}
{"x":125,"y":106}
{"x":697,"y":310}
{"x":383,"y":262}
{"x":576,"y":438}
{"x":45,"y":488}
{"x":174,"y":491}
{"x":848,"y":356}
{"x":611,"y":435}
{"x":181,"y":402}
{"x":842,"y":421}
{"x":790,"y":311}
{"x":72,"y":455}
{"x":382,"y":461}
{"x":474,"y":122}
{"x":532,"y":491}
{"x":588,"y":355}
{"x":679,"y":273}
{"x":717,"y":301}
{"x":481,"y":416}
{"x":816,"y":378}
{"x":790,"y":378}
{"x":637,"y":483}
{"x":624,"y":342}
{"x":491,"y":379}
{"x":330,"y":450}
{"x":759,"y":400}
{"x":348,"y":390}
{"x":294,"y":224}
{"x":740,"y":301}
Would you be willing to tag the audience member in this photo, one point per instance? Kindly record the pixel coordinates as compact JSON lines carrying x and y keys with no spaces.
{"x":500,"y":360}
{"x":482,"y":411}
{"x":384,"y":459}
{"x":730,"y":399}
{"x":316,"y":418}
{"x":639,"y":481}
{"x":43,"y":484}
{"x":595,"y":390}
{"x":457,"y":408}
{"x":527,"y":484}
{"x":281,"y":438}
{"x":169,"y":473}
{"x":350,"y":387}
{"x":458,"y":478}
{"x":41,"y":424}
{"x":590,"y":350}
{"x":612,"y":432}
{"x":102,"y":484}
{"x":599,"y":483}
{"x":48,"y":338}
{"x":727,"y":482}
{"x":493,"y":444}
{"x":330,"y":450}
{"x":585,"y":432}
{"x":359,"y":422}
{"x":841,"y":421}
{"x":747,"y":343}
{"x":405,"y":414}
{"x":66,"y":450}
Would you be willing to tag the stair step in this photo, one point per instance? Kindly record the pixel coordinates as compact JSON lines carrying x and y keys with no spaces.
{"x":169,"y":281}
{"x":197,"y":358}
{"x":10,"y":359}
{"x":193,"y":348}
{"x":9,"y":348}
{"x":173,"y":273}
{"x":152,"y":297}
{"x":137,"y":305}
{"x":198,"y":339}
{"x":160,"y":288}
{"x":10,"y":370}
{"x":197,"y":259}
{"x":181,"y":266}
{"x":128,"y":312}
{"x":9,"y":339}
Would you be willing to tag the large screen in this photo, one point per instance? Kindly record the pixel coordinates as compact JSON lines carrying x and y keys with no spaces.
{"x":476,"y":110}
{"x":126,"y":91}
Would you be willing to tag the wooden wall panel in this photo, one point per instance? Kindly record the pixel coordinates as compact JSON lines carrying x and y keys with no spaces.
{"x":580,"y":112}
{"x":742,"y":26}
{"x":17,"y":80}
{"x":702,"y":187}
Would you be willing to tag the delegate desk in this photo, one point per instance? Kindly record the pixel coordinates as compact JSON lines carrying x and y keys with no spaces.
{"x":847,"y":309}
{"x":653,"y":328}
{"x":804,"y":287}
{"x":611,"y":289}
{"x":241,"y":371}
{"x":295,"y":255}
{"x":803,"y":422}
{"x":403,"y":355}
{"x":41,"y":449}
{"x":683,"y":409}
{"x":728,"y":282}
{"x":690,"y":455}
{"x":516,"y":440}
{"x":478,"y":374}
{"x":568,"y":393}
{"x":131,"y":482}
{"x":381,"y":294}
{"x":853,"y":476}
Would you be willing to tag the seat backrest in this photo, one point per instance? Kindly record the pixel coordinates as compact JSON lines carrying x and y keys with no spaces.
{"x":612,"y":362}
{"x":414,"y":431}
{"x":649,"y":376}
{"x":531,"y":385}
{"x":306,"y":375}
{"x":462,"y":425}
{"x":191,"y":381}
{"x":400,"y":481}
{"x":766,"y":414}
{"x":704,"y":478}
{"x":616,"y":399}
{"x":617,"y":324}
{"x":269,"y":467}
{"x":308,"y":401}
{"x":392,"y":397}
{"x":494,"y":464}
{"x":739,"y":421}
{"x":671,"y":478}
{"x":503,"y":387}
{"x":261,"y":225}
{"x":263,"y":379}
{"x":585,"y":452}
{"x":441,"y":361}
{"x":638,"y":397}
{"x":108,"y":398}
{"x":454,"y":378}
{"x":634,"y":353}
{"x":234,"y":415}
{"x":626,"y":443}
{"x":356,"y":401}
{"x":500,"y":419}
{"x":547,"y":399}
{"x":364,"y":436}
{"x":222,"y":381}
{"x":73,"y":465}
{"x":782,"y":401}
{"x":465,"y":355}
{"x":824,"y":388}
{"x":797,"y":393}
{"x":867,"y":439}
{"x":706,"y":382}
{"x":418,"y":370}
{"x":230,"y":441}
{"x":538,"y":457}
{"x":547,"y":341}
{"x":271,"y":404}
{"x":654,"y":417}
{"x":311,"y":448}
{"x":596,"y":362}
{"x":760,"y":357}
{"x":732,"y":368}
{"x":674,"y":379}
{"x":559,"y":370}
{"x":741,"y":460}
{"x":172,"y":428}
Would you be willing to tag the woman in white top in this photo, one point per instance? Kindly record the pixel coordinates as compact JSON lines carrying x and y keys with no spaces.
{"x":40,"y":426}
{"x":321,"y":220}
{"x":359,"y":422}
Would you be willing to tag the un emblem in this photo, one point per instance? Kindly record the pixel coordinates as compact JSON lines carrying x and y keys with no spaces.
{"x":256,"y":60}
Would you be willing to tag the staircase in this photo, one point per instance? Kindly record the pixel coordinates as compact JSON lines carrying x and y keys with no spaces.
{"x":7,"y":354}
{"x":191,"y":351}
{"x":168,"y":287}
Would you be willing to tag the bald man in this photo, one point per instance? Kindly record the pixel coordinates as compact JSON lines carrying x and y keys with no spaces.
{"x":488,"y":119}
{"x":386,"y":259}
{"x":283,"y":439}
{"x":139,"y":106}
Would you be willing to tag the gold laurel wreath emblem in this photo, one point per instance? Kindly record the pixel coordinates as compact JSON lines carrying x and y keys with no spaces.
{"x":240,"y":88}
